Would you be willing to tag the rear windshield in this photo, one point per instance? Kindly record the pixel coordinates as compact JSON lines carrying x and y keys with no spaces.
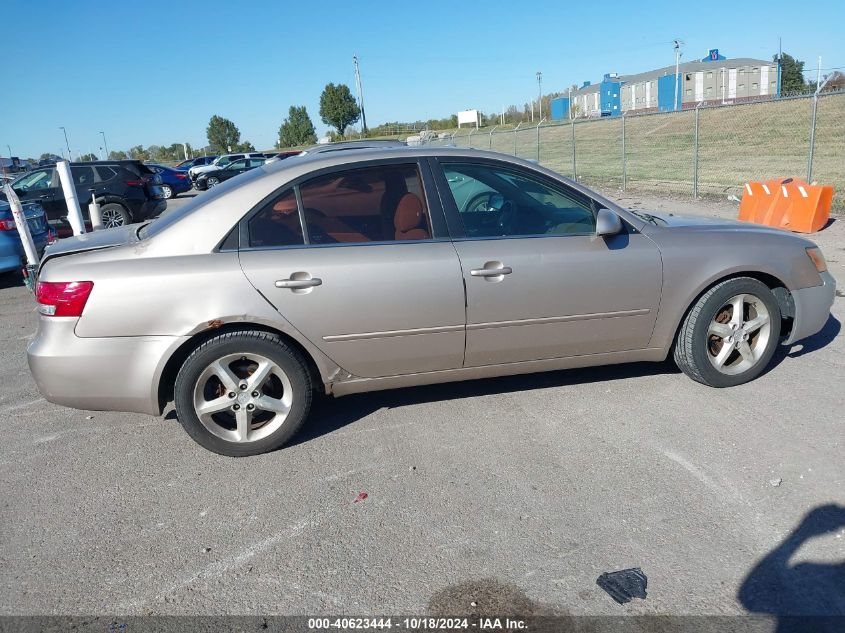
{"x":174,"y":214}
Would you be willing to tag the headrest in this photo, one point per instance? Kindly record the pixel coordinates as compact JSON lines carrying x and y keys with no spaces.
{"x":408,"y":213}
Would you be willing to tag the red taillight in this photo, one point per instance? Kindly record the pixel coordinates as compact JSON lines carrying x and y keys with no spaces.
{"x":180,"y":176}
{"x":63,"y":298}
{"x":8,"y":225}
{"x":134,"y":183}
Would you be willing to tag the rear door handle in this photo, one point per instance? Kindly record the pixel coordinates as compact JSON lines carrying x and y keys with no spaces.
{"x":491,"y":272}
{"x":299,"y":283}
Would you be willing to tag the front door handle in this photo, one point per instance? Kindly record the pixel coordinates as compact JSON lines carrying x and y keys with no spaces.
{"x":299,"y":283}
{"x":491,"y":272}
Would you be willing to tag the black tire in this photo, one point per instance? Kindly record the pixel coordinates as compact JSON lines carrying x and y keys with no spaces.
{"x":693,"y":352}
{"x":211,"y":181}
{"x":168,"y":192}
{"x":115,"y":210}
{"x":265,"y":344}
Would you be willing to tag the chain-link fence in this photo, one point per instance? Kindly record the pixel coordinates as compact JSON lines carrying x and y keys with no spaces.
{"x":706,"y":151}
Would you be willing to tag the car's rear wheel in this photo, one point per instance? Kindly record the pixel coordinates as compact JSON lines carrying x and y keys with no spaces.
{"x":167,"y":190}
{"x":212,"y":181}
{"x":243,"y":393}
{"x":730,"y":334}
{"x":114,"y":215}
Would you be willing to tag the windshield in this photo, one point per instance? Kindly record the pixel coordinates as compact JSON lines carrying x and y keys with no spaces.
{"x":174,"y":214}
{"x":222,"y":161}
{"x":35,"y":180}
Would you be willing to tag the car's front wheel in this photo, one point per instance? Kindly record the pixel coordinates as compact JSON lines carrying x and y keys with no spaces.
{"x":243,"y":393}
{"x":212,"y":181}
{"x":167,"y":190}
{"x":730,"y":334}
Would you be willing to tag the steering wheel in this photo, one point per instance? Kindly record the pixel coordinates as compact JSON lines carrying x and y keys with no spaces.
{"x":507,"y":215}
{"x":478,"y":203}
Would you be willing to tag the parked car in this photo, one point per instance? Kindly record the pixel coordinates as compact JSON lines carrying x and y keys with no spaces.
{"x":213,"y":178}
{"x":219,"y":163}
{"x":173,"y":181}
{"x":414,"y":265}
{"x":199,"y":161}
{"x":127,"y":191}
{"x":282,"y":155}
{"x":11,"y":248}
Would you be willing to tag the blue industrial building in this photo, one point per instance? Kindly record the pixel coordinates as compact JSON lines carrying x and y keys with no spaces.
{"x":711,"y":80}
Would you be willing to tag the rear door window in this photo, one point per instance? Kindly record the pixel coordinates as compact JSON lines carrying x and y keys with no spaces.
{"x":82,"y":176}
{"x":374,"y":204}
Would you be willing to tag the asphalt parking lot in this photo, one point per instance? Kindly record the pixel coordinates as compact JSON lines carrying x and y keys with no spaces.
{"x":516,"y":492}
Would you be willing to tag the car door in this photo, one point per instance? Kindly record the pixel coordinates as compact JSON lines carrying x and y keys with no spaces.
{"x":539,"y":283}
{"x":232,"y":169}
{"x":373,"y":279}
{"x":43,"y":186}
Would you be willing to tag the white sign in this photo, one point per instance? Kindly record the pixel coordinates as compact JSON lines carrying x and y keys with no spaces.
{"x":468,"y":116}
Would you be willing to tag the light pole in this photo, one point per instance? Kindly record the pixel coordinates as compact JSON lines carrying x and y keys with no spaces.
{"x":677,"y":71}
{"x":540,"y":95}
{"x":360,"y":93}
{"x":9,"y":147}
{"x":62,"y":128}
{"x":106,"y":145}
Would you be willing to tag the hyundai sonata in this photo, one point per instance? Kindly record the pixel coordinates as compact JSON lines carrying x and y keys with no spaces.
{"x":346,"y":272}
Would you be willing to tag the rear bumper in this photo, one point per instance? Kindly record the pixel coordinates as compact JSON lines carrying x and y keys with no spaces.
{"x":99,"y":374}
{"x":11,"y":250}
{"x":150,"y":209}
{"x":812,"y":308}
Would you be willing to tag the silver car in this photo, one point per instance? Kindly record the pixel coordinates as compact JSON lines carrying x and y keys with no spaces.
{"x":353,"y":271}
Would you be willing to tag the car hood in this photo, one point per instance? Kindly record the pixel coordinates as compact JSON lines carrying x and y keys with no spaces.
{"x":95,"y":240}
{"x":666,"y":218}
{"x":203,"y":169}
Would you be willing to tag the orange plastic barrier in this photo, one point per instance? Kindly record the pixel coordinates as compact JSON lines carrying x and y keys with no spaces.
{"x":790,"y":204}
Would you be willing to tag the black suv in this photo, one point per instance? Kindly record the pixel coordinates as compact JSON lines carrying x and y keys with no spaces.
{"x":127,"y":190}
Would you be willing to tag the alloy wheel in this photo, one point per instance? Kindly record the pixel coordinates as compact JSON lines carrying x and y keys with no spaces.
{"x":112,"y":218}
{"x":243,"y":397}
{"x":738,"y":335}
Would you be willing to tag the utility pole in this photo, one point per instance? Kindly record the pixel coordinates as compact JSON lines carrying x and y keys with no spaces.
{"x":678,"y":44}
{"x":62,"y":128}
{"x":360,"y":93}
{"x":819,"y":73}
{"x":106,"y":145}
{"x":570,"y":103}
{"x":540,"y":95}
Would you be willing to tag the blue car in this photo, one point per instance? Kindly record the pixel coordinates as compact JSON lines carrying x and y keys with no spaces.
{"x":11,"y":248}
{"x":173,"y":181}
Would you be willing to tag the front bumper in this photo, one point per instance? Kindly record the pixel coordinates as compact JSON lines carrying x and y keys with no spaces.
{"x":812,"y":308}
{"x":98,"y":374}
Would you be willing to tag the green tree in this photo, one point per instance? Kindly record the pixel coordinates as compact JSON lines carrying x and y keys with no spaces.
{"x":50,"y":156}
{"x":791,"y":74}
{"x":297,"y":128}
{"x":222,"y":134}
{"x":338,"y":107}
{"x":118,"y":155}
{"x":138,"y":153}
{"x":87,"y":158}
{"x":246,"y":146}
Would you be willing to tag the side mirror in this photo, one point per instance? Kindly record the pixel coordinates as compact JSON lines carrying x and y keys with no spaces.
{"x":607,"y":223}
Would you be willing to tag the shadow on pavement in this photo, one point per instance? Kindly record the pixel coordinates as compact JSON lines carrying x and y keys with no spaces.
{"x":775,"y":587}
{"x":330,"y":414}
{"x":815,"y":342}
{"x":11,"y":280}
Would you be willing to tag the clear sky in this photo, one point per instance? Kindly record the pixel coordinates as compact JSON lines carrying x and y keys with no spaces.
{"x":154,"y":72}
